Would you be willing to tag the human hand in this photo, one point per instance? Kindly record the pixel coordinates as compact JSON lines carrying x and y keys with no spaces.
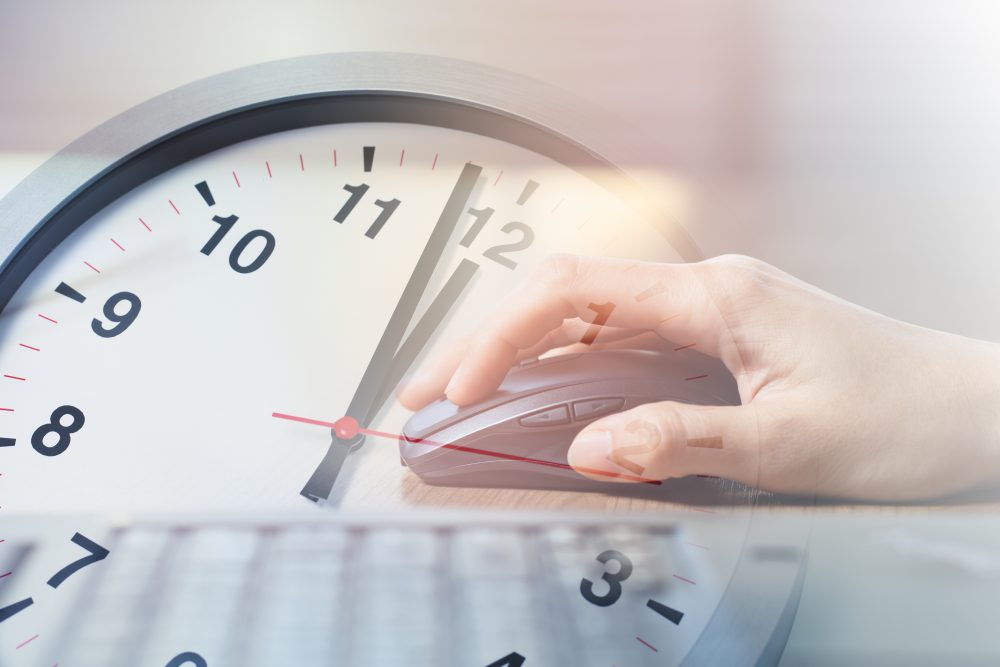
{"x":837,"y":400}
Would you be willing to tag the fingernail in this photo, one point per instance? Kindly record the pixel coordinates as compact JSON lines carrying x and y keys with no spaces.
{"x":590,"y":449}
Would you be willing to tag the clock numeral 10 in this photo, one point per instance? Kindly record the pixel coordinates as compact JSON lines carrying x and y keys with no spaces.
{"x":357,"y":192}
{"x":237,"y":261}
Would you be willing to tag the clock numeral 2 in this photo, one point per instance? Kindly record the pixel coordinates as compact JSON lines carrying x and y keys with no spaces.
{"x":357,"y":192}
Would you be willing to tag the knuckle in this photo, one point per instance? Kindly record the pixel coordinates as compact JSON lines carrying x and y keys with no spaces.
{"x":739,"y":274}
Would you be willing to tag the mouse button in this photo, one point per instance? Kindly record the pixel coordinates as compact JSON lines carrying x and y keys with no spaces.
{"x":597,"y":407}
{"x":424,"y":422}
{"x":554,"y":416}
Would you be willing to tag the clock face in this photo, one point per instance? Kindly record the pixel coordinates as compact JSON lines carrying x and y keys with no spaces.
{"x":161,"y":320}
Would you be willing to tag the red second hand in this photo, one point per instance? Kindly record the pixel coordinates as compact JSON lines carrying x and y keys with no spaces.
{"x":348,"y":427}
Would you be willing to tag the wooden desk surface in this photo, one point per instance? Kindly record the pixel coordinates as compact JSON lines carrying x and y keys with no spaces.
{"x":378,"y":481}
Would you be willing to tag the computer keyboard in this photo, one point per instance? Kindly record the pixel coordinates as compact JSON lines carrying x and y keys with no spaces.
{"x":362,"y":592}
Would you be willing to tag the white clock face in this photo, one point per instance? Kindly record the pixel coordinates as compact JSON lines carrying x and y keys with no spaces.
{"x":177,"y":396}
{"x":145,"y":355}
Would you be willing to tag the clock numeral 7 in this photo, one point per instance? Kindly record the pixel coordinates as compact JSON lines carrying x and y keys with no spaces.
{"x":357,"y":193}
{"x":96,"y":553}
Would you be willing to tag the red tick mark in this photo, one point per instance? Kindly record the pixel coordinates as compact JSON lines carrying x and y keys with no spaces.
{"x":6,"y":574}
{"x":26,"y":641}
{"x":6,"y":409}
{"x":29,"y":347}
{"x":46,"y":317}
{"x":302,"y":163}
{"x":148,"y":228}
{"x":647,"y":644}
{"x":268,"y":165}
{"x":683,"y":347}
{"x":92,"y":267}
{"x":118,"y":244}
{"x":174,"y":206}
{"x":402,"y":154}
{"x":685,"y":579}
{"x":557,"y":206}
{"x":237,"y":179}
{"x":498,"y":177}
{"x":334,"y":157}
{"x":434,"y":163}
{"x":14,"y":377}
{"x":697,"y":377}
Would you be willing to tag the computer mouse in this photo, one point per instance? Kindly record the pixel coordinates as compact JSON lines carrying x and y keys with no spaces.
{"x":540,"y":407}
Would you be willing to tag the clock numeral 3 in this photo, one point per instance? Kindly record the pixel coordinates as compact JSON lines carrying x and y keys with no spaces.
{"x":613,"y":579}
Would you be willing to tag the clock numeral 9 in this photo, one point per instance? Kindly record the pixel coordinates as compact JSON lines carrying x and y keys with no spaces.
{"x":613,"y":579}
{"x":236,"y":254}
{"x":121,"y":321}
{"x":496,"y":253}
{"x":62,"y":431}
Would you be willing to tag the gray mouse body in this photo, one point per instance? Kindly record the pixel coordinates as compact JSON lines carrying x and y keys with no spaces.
{"x":539,"y":409}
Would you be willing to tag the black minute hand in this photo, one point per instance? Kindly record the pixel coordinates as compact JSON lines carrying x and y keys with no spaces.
{"x":370,"y":392}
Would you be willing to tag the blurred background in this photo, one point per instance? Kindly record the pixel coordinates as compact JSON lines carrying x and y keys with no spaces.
{"x":852,"y":143}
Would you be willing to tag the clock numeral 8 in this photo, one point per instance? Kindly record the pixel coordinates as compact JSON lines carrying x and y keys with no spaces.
{"x":63,"y":431}
{"x":613,"y":579}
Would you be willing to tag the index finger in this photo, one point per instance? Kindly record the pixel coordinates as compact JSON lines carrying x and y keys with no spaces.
{"x":670,"y":299}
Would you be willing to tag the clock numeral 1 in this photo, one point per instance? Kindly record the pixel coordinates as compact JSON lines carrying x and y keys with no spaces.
{"x":603,"y":312}
{"x":358,"y":192}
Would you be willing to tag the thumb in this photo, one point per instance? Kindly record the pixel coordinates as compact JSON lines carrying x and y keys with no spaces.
{"x":670,"y":439}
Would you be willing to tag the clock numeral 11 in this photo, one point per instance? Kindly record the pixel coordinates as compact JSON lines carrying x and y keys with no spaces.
{"x":357,"y":192}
